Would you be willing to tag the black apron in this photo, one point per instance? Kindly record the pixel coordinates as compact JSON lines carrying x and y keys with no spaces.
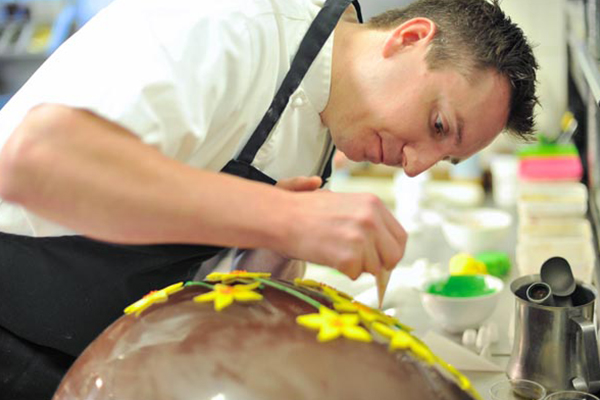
{"x":58,"y":293}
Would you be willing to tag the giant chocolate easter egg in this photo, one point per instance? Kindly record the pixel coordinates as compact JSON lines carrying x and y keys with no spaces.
{"x":245,"y":336}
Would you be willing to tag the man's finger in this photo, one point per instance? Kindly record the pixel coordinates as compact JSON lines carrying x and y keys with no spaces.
{"x":399,"y":235}
{"x":300,"y":183}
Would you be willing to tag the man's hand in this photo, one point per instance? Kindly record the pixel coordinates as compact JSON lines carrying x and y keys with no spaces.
{"x":353,"y":233}
{"x":98,"y":179}
{"x":266,"y":260}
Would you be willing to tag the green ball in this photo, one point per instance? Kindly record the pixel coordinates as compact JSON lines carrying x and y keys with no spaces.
{"x":497,"y":262}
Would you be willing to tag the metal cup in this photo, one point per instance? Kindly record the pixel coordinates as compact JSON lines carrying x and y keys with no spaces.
{"x":539,"y":293}
{"x":555,"y":346}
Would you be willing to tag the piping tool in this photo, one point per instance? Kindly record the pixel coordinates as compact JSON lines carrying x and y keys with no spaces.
{"x":382,"y":279}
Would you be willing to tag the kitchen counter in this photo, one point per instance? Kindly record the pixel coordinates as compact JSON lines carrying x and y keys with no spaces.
{"x":429,"y":243}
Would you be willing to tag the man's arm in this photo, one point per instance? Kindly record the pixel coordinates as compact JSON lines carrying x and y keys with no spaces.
{"x":99,"y":179}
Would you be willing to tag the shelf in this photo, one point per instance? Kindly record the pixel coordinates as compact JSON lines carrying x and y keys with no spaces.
{"x":38,"y":57}
{"x":586,"y":71}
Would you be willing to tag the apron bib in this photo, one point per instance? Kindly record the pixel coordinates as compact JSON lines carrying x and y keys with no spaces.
{"x":58,"y":293}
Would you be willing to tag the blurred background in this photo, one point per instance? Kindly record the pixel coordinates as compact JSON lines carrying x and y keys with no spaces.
{"x":501,"y":213}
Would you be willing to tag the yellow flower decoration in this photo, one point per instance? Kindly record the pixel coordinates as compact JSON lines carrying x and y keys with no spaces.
{"x":335,"y":294}
{"x":307,"y":282}
{"x":399,"y":340}
{"x":155,"y":296}
{"x":332,"y":325}
{"x":403,"y":340}
{"x":463,"y":382}
{"x":367,"y":314}
{"x":224,"y":295}
{"x":237,"y":275}
{"x":312,"y":284}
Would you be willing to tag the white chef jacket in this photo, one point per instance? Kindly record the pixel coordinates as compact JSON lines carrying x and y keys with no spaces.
{"x":192,"y":78}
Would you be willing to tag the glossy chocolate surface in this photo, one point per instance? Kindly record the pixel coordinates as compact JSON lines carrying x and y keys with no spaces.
{"x":180,"y":350}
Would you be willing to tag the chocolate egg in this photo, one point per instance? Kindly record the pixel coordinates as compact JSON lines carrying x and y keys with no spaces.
{"x":245,"y":336}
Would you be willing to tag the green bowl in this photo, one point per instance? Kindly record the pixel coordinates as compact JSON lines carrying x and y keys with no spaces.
{"x":461,"y":302}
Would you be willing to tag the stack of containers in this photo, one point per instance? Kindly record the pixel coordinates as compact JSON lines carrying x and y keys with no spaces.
{"x":552,"y":206}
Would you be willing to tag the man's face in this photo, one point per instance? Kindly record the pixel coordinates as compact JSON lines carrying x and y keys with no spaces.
{"x":412,"y":117}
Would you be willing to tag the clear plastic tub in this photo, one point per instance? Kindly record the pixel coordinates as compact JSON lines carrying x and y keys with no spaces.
{"x":552,"y":200}
{"x":554,"y":228}
{"x":579,"y":252}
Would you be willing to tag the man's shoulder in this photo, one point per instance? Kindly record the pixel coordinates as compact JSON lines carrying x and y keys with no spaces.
{"x":211,"y":10}
{"x":296,"y":9}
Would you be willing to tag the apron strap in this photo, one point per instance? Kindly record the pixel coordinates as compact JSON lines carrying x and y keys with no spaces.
{"x":328,"y":167}
{"x":358,"y":11}
{"x":316,"y":36}
{"x":247,"y":171}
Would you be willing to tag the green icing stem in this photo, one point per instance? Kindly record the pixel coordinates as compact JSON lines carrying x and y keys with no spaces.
{"x":292,"y":292}
{"x":199,"y":283}
{"x":288,"y":290}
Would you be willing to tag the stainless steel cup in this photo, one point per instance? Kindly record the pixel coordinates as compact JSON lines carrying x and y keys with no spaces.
{"x":555,"y":346}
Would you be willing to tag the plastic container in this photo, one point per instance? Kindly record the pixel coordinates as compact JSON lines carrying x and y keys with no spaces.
{"x":517,"y":389}
{"x":567,"y":168}
{"x":570,"y":395}
{"x":554,"y":228}
{"x":550,"y":161}
{"x":477,"y":230}
{"x":552,"y":200}
{"x":497,"y":262}
{"x":454,"y":193}
{"x":504,"y":169}
{"x":532,"y":252}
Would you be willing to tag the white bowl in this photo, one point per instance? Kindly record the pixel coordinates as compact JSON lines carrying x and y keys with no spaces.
{"x":477,"y":230}
{"x":455,"y":314}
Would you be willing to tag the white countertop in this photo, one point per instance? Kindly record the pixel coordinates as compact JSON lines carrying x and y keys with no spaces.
{"x":429,"y":243}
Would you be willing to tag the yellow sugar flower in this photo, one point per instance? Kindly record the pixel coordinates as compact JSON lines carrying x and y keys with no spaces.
{"x":307,"y":282}
{"x":421,"y":351}
{"x":237,"y":275}
{"x":463,"y":382}
{"x":312,"y":284}
{"x":224,"y":295}
{"x":400,"y":340}
{"x":403,"y":340}
{"x":332,"y":325}
{"x":334,"y":293}
{"x":367,"y":314}
{"x":155,"y":296}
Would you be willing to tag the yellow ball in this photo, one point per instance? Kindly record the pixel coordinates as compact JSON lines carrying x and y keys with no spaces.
{"x":465,"y":264}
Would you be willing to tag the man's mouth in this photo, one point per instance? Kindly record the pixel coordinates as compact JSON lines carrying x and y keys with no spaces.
{"x":396,"y":160}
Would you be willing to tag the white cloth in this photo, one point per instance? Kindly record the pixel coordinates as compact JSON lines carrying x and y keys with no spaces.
{"x":192,"y":78}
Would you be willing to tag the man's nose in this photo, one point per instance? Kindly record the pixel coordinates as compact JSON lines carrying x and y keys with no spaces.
{"x":420,"y":161}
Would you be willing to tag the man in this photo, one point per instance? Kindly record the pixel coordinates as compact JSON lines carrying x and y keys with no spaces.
{"x":112,"y":152}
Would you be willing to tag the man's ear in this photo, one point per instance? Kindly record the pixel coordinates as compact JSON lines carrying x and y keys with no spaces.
{"x":415,"y":31}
